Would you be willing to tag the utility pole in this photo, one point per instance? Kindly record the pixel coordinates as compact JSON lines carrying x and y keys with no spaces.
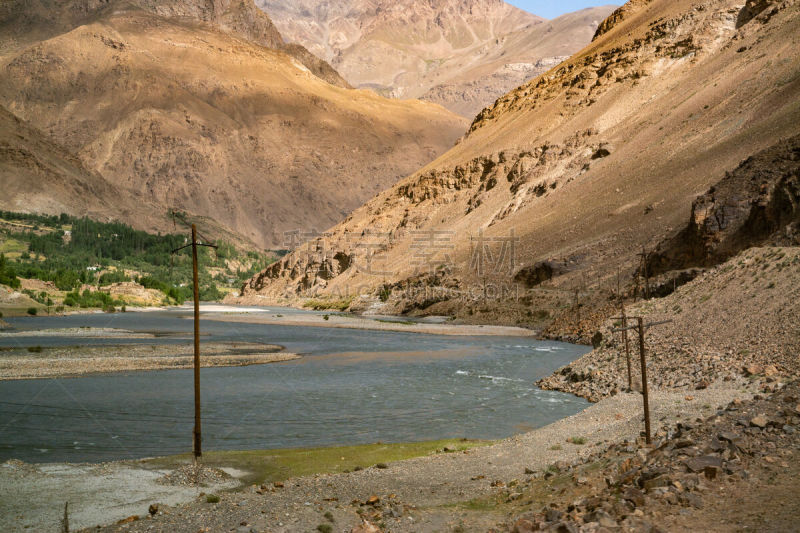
{"x":197,"y":449}
{"x":644,"y":255}
{"x":640,"y":325}
{"x":627,"y":346}
{"x":645,"y":395}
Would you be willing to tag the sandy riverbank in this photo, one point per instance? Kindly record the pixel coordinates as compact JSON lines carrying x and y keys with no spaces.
{"x":267,"y":316}
{"x":74,"y":361}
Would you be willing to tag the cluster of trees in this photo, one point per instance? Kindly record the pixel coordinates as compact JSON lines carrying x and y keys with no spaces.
{"x":8,"y":275}
{"x":60,"y":248}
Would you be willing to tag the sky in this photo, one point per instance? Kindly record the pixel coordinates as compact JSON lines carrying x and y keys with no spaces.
{"x":552,"y":9}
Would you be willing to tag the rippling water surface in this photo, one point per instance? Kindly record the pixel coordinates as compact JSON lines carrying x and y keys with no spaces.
{"x":351,"y":386}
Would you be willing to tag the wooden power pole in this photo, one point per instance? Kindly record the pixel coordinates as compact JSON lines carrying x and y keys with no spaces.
{"x":640,"y":325}
{"x":197,"y":448}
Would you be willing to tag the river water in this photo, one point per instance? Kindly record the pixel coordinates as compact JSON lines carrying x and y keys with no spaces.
{"x":351,"y":387}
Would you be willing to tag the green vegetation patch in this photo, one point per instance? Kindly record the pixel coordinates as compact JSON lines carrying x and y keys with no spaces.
{"x":324,"y":304}
{"x":72,"y":252}
{"x":279,"y":465}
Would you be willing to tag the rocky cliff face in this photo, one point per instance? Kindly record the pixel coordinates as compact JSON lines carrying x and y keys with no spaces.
{"x":757,"y":204}
{"x":461,"y":54}
{"x":579,"y":168}
{"x":183,"y":114}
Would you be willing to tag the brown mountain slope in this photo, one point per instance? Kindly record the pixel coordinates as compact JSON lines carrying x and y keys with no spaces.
{"x":571,"y":174}
{"x":41,"y":177}
{"x":28,"y":21}
{"x":190,"y":117}
{"x":461,"y":54}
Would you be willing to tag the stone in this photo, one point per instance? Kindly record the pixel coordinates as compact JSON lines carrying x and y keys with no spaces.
{"x":759,"y":421}
{"x":604,"y":519}
{"x":552,"y":515}
{"x":691,"y":499}
{"x":365,"y":527}
{"x":153,"y":509}
{"x":752,"y":370}
{"x":660,"y":481}
{"x":373,"y":500}
{"x":711,"y":472}
{"x":634,"y":495}
{"x":564,"y":527}
{"x":524,"y":526}
{"x":698,"y":464}
{"x":278,"y":485}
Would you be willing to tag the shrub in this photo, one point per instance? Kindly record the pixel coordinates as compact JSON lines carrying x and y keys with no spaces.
{"x":385,"y":293}
{"x":35,"y":349}
{"x":212,"y":498}
{"x":32,"y":311}
{"x":324,"y":528}
{"x":576,"y":440}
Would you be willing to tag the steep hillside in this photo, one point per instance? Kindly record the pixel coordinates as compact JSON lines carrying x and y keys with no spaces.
{"x":559,"y":185}
{"x":39,"y":176}
{"x":189,"y":115}
{"x":462,"y":54}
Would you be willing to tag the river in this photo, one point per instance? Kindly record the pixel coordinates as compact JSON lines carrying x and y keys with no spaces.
{"x":351,"y":386}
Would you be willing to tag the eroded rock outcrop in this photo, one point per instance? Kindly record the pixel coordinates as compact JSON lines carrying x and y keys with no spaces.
{"x":757,"y":204}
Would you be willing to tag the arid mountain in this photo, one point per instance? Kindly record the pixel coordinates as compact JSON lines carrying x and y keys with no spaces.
{"x":181,"y":108}
{"x":462,"y":54}
{"x":562,"y":182}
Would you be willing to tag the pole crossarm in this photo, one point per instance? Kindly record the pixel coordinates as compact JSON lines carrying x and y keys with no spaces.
{"x":636,"y":326}
{"x":196,"y":244}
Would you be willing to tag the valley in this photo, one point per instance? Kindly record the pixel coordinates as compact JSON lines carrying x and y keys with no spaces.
{"x":462,"y":55}
{"x":472,"y":269}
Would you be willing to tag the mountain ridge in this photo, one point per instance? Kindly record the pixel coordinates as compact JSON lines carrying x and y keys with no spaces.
{"x":460,"y":54}
{"x":581,"y":168}
{"x":188,"y":117}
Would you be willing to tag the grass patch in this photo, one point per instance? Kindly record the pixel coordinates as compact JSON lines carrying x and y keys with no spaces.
{"x":555,"y":447}
{"x":401,"y":322}
{"x":212,"y":498}
{"x":576,"y":440}
{"x":325,"y":304}
{"x":278,"y":465}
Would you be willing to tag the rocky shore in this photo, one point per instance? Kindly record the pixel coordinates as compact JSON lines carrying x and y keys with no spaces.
{"x":736,"y":320}
{"x":735,"y":469}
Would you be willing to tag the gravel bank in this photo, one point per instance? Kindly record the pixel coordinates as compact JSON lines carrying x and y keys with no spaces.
{"x":73,"y":361}
{"x":352,"y":322}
